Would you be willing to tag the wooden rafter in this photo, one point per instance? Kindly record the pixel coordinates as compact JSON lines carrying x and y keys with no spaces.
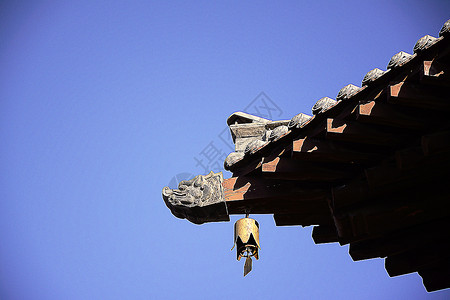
{"x":321,"y":150}
{"x":291,"y":169}
{"x":434,"y":73}
{"x":258,"y":195}
{"x":417,"y":258}
{"x":413,"y":95}
{"x":375,"y":112}
{"x":342,"y":130}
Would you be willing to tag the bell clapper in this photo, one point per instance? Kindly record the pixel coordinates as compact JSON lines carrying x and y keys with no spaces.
{"x":247,"y":265}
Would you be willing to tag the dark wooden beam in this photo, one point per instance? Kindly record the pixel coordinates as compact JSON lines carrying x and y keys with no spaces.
{"x":341,"y":130}
{"x":411,"y":176}
{"x":436,"y":143}
{"x":252,"y":165}
{"x":258,"y":195}
{"x":414,"y":157}
{"x":344,"y":228}
{"x":381,"y":218}
{"x":375,"y":112}
{"x":320,"y":150}
{"x":437,"y":276}
{"x":388,"y":174}
{"x":385,"y":174}
{"x":291,"y":169}
{"x":249,"y":167}
{"x":325,"y":234}
{"x":417,"y":258}
{"x":435,"y":73}
{"x":400,"y":240}
{"x":350,"y":193}
{"x":409,"y":158}
{"x":408,"y":94}
{"x":361,"y":213}
{"x":304,"y":219}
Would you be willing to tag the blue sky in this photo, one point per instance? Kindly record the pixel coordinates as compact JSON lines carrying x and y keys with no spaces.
{"x":104,"y":102}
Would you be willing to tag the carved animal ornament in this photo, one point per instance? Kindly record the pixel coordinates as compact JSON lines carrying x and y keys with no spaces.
{"x":199,"y":200}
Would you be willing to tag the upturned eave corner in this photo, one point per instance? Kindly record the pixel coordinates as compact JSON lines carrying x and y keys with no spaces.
{"x":199,"y":200}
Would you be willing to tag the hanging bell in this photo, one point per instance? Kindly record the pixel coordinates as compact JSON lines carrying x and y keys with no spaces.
{"x":246,"y":240}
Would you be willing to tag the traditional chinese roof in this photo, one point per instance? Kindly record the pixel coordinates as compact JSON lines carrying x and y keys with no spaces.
{"x":368,"y":169}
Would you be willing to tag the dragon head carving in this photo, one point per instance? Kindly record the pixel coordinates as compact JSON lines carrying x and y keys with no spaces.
{"x":199,"y":200}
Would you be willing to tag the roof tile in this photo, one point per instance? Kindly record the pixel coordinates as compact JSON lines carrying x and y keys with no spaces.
{"x":322,"y":105}
{"x":372,"y":75}
{"x":424,"y":42}
{"x":277,"y":132}
{"x":445,"y":29}
{"x":298,"y":120}
{"x":347,"y":92}
{"x":254,"y":146}
{"x":233,"y":158}
{"x":399,"y":59}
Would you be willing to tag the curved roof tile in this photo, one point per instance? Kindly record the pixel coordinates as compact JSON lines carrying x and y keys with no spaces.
{"x":322,"y":105}
{"x":347,"y":92}
{"x":372,"y":75}
{"x":399,"y":59}
{"x":424,"y":43}
{"x":445,"y":29}
{"x":298,"y":120}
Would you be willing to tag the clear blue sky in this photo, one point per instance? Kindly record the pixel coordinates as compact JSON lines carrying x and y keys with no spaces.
{"x":103,"y":102}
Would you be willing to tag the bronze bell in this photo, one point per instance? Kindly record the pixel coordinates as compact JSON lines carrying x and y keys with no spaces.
{"x":246,"y":240}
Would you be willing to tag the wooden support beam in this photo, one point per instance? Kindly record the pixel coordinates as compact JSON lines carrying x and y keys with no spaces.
{"x":434,"y":73}
{"x":408,"y":94}
{"x":304,"y":219}
{"x":412,"y":179}
{"x":291,"y":169}
{"x":258,"y":195}
{"x":387,"y":175}
{"x":409,"y":158}
{"x":350,"y":193}
{"x":325,"y":234}
{"x":360,"y":212}
{"x":437,"y":276}
{"x":320,"y":150}
{"x":417,"y":258}
{"x":346,"y":230}
{"x":375,"y":112}
{"x":247,"y":167}
{"x":412,"y":158}
{"x":436,"y":143}
{"x":253,"y":167}
{"x":400,"y":240}
{"x":375,"y":218}
{"x":341,"y":130}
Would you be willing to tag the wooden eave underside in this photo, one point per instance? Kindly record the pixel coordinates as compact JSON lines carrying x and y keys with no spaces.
{"x":371,"y":172}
